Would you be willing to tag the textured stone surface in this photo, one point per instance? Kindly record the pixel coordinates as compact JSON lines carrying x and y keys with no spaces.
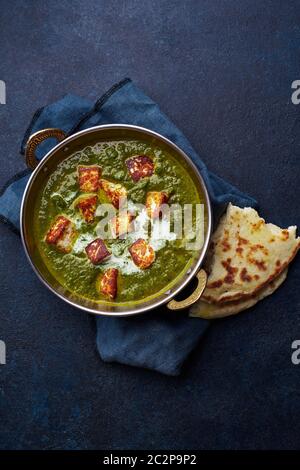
{"x":222,"y":71}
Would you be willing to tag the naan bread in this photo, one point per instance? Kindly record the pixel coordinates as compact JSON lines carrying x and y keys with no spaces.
{"x":245,"y":255}
{"x":210,"y":311}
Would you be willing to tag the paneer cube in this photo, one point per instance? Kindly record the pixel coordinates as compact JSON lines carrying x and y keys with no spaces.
{"x":114,"y":192}
{"x":89,"y":177}
{"x":87,"y":207}
{"x":139,"y":167}
{"x":62,"y":234}
{"x":107,"y":283}
{"x":154,"y":201}
{"x":142,"y":253}
{"x":97,"y":251}
{"x":65,"y":244}
{"x":122,"y":224}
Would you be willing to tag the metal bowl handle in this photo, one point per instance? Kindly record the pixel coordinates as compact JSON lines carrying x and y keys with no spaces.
{"x":202,"y":278}
{"x":36,"y":139}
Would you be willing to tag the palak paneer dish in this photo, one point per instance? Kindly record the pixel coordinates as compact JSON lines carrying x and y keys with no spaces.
{"x":131,"y":264}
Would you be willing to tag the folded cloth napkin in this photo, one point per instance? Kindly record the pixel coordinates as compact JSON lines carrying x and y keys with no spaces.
{"x":160,"y":340}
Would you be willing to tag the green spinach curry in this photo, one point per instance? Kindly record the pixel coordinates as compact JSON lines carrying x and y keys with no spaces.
{"x":129,"y":266}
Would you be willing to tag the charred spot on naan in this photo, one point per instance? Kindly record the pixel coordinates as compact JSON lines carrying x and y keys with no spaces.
{"x":97,"y":251}
{"x":259,"y":261}
{"x":88,"y":178}
{"x":231,"y":271}
{"x":257,"y":225}
{"x":245,"y":276}
{"x":225,"y":242}
{"x":240,"y":245}
{"x":87,"y":207}
{"x":142,"y":253}
{"x":107,"y":284}
{"x":285,"y":234}
{"x":115,"y":192}
{"x":61,"y":234}
{"x":139,"y":167}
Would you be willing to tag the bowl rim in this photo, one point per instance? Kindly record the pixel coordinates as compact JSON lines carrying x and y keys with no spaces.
{"x":139,"y":309}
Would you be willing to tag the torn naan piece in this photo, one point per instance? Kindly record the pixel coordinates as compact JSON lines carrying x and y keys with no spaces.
{"x":208,"y":311}
{"x":245,"y":255}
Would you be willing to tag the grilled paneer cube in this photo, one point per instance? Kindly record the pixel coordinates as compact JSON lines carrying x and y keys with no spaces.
{"x":114,"y":192}
{"x":154,"y":201}
{"x":122,"y":224}
{"x":87,"y":207}
{"x":89,"y":177}
{"x":62,"y":234}
{"x":65,"y":244}
{"x":139,"y":167}
{"x":142,"y":253}
{"x":107,"y":283}
{"x":97,"y":251}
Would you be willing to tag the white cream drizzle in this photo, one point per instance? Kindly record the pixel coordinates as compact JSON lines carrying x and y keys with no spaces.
{"x":159,"y":235}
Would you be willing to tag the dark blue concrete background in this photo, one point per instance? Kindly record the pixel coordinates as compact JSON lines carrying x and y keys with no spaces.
{"x":222,"y":70}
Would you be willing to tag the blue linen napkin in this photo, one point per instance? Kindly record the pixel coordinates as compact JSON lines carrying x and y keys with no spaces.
{"x":160,"y":340}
